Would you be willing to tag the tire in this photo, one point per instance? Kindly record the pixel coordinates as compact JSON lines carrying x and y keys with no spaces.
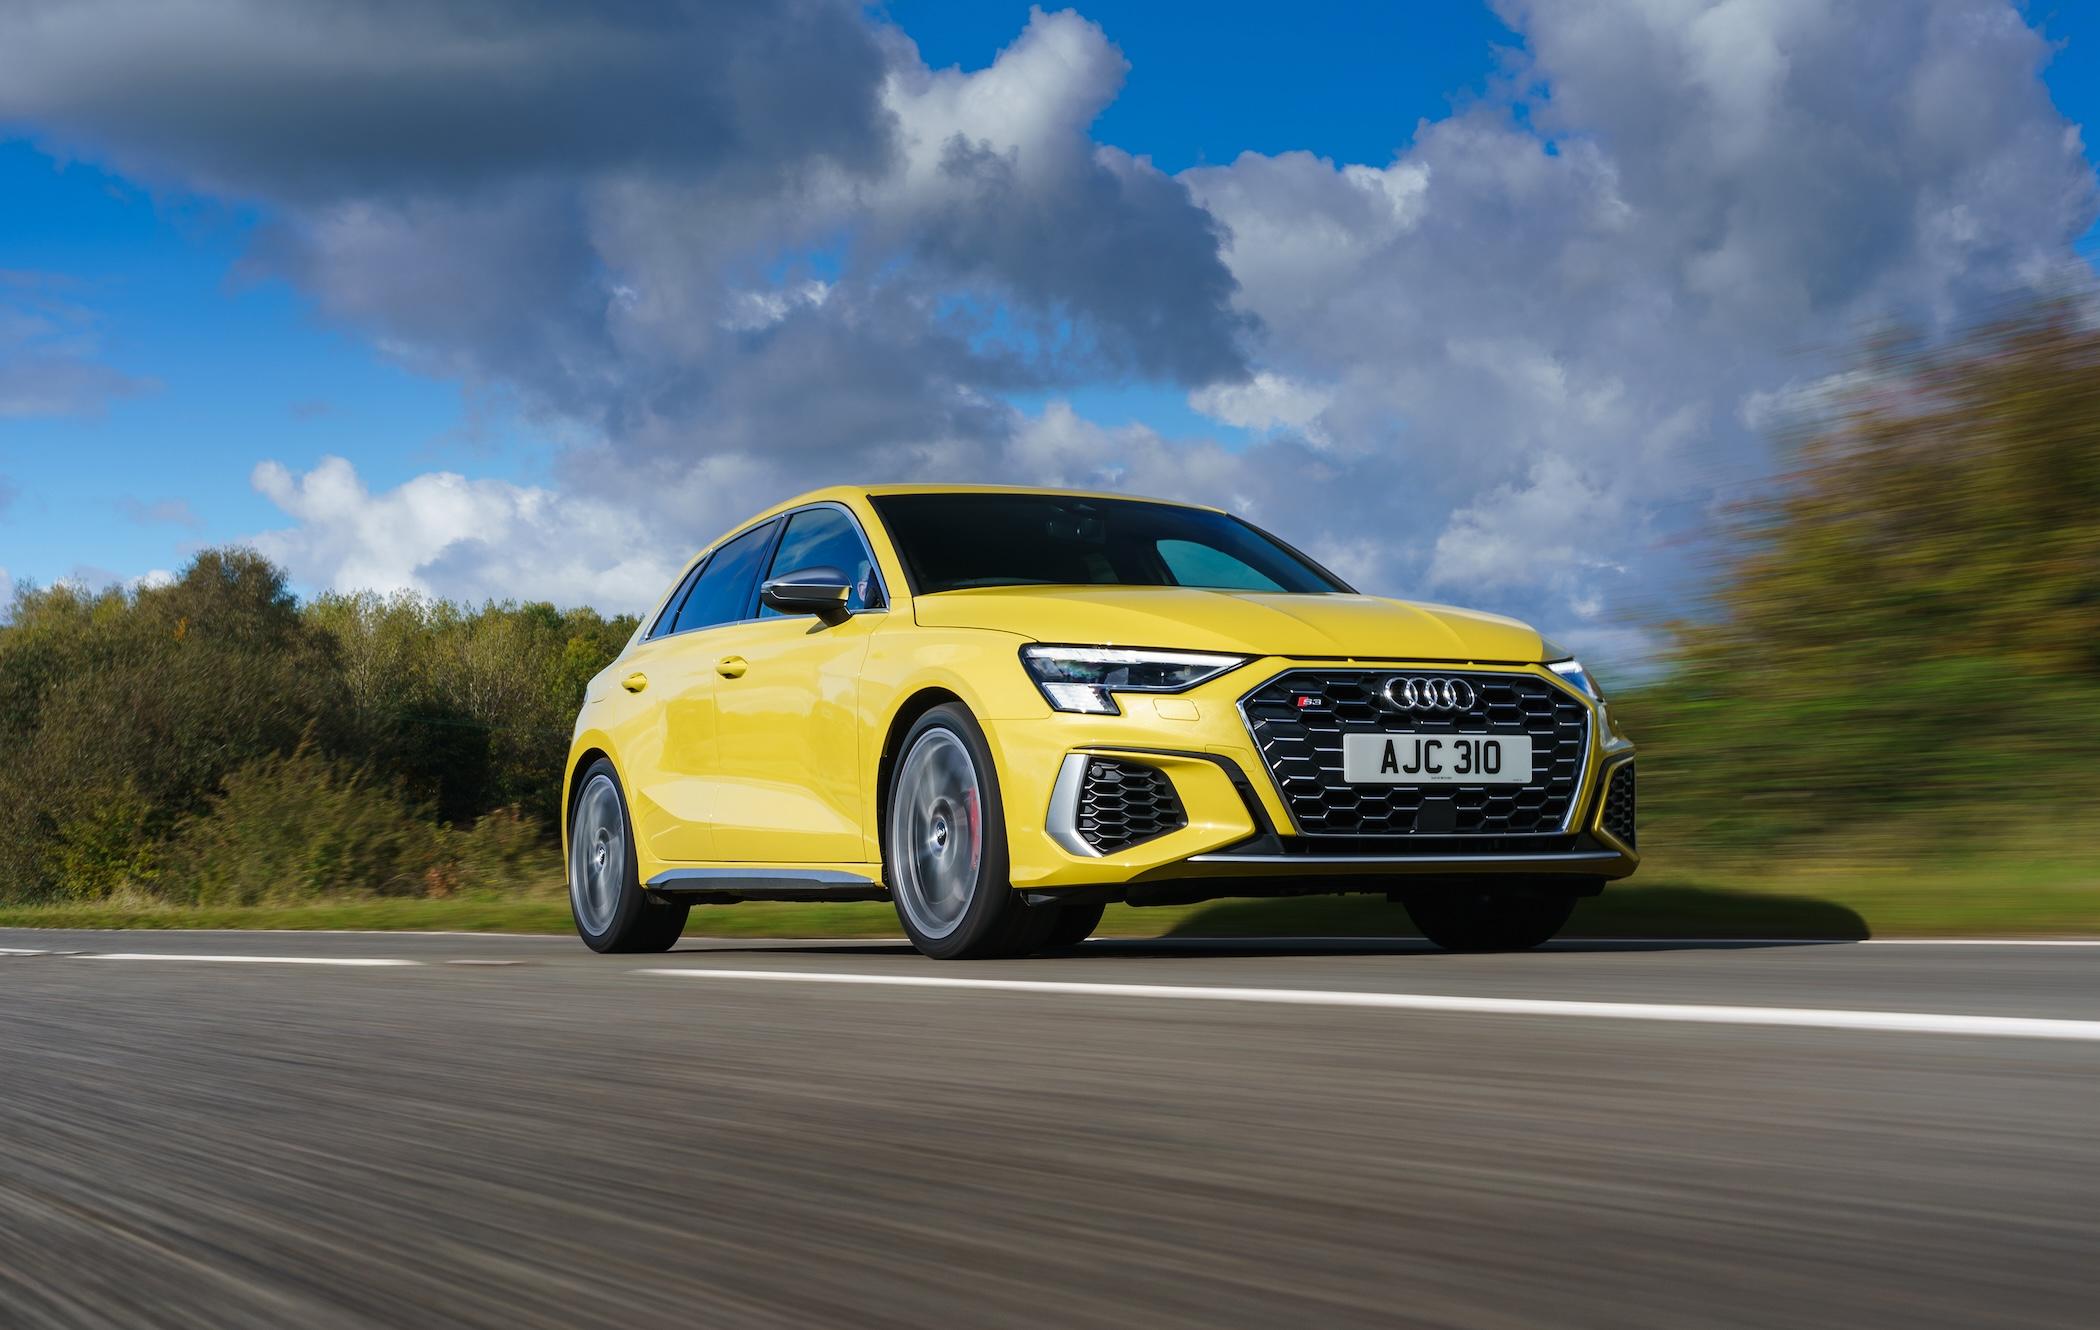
{"x":612,"y":912}
{"x":944,"y":845}
{"x":1073,"y":925}
{"x":1494,"y":917}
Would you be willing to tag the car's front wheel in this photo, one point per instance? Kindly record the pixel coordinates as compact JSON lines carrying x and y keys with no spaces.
{"x":944,"y":845}
{"x":612,"y":911}
{"x":1489,"y":917}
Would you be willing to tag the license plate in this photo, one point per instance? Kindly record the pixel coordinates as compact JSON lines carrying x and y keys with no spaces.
{"x":1436,"y":759}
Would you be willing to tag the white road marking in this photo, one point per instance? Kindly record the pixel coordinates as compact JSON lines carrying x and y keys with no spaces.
{"x":1579,"y":943}
{"x":311,"y":932}
{"x":1902,"y":1022}
{"x":1981,"y":941}
{"x":365,"y":961}
{"x":21,"y":951}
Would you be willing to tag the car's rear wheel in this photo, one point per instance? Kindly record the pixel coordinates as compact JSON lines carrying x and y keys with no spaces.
{"x":611,"y":910}
{"x":944,"y":845}
{"x":1073,"y":924}
{"x":1489,"y":917}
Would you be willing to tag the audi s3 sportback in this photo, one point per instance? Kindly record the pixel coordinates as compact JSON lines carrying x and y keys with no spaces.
{"x":1002,"y":709}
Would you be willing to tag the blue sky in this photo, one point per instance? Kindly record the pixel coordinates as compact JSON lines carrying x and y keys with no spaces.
{"x":1210,"y":81}
{"x":232,"y":370}
{"x":228,"y":365}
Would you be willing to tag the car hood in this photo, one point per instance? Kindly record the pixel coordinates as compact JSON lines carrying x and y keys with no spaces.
{"x":1255,"y":623}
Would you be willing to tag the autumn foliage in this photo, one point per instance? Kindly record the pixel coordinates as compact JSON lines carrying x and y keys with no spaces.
{"x":1906,"y":631}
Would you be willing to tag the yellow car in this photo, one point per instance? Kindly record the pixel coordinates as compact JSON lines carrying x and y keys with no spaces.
{"x":1003,"y":708}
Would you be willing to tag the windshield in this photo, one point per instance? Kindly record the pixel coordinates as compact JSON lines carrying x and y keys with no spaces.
{"x":948,"y":542}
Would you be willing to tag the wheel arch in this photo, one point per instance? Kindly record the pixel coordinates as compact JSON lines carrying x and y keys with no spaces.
{"x":579,"y":762}
{"x":901,"y":720}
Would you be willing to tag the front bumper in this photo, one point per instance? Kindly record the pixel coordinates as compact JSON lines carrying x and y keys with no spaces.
{"x":1236,"y":835}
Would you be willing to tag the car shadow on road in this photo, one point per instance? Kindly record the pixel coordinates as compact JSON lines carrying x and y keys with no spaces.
{"x":1224,"y":948}
{"x":1188,"y":948}
{"x":1624,"y":919}
{"x":1408,"y":946}
{"x":1664,"y":917}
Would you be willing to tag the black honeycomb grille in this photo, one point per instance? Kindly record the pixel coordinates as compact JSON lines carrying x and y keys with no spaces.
{"x":1619,"y":806}
{"x":1302,"y":747}
{"x":1124,"y":803}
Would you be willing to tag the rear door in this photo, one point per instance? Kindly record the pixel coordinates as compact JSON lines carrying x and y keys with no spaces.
{"x":787,"y":689}
{"x":671,"y":757}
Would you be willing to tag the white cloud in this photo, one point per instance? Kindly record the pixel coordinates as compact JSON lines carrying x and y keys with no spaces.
{"x":1264,"y":402}
{"x":750,"y":311}
{"x":1300,"y":229}
{"x":1549,"y":343}
{"x":1032,"y":105}
{"x":1796,"y":405}
{"x":443,"y":534}
{"x":1544,"y":529}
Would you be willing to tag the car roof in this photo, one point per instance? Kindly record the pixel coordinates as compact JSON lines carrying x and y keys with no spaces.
{"x":841,"y":493}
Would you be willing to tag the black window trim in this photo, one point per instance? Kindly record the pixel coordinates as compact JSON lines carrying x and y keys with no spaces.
{"x":867,"y":548}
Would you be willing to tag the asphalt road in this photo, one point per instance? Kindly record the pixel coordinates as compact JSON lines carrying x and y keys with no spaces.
{"x":514,"y":1132}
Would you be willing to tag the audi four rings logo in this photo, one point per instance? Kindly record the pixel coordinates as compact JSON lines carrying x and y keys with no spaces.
{"x":1430,"y":694}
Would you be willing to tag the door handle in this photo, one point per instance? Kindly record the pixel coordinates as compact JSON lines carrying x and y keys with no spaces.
{"x":732,"y":667}
{"x":635,"y":683}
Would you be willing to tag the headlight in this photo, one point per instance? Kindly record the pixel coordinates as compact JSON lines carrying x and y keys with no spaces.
{"x":1569,"y":668}
{"x":1081,"y":678}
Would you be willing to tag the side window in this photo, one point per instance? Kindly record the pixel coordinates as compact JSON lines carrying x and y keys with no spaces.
{"x":723,"y":593}
{"x":825,"y":537}
{"x":668,"y":618}
{"x":1192,"y":564}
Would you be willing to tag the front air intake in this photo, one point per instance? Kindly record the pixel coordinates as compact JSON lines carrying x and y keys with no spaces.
{"x":1122,"y":804}
{"x":1618,"y":817}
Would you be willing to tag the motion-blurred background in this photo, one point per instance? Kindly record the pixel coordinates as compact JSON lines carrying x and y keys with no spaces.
{"x":363,"y":368}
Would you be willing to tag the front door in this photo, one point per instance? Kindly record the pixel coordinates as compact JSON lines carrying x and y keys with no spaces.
{"x":787,"y":784}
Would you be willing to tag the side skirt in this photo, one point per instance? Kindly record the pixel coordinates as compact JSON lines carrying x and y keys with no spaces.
{"x":749,"y":882}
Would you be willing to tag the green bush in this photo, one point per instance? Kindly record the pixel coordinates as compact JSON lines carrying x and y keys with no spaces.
{"x":147,"y":700}
{"x":101,"y":847}
{"x":504,"y":851}
{"x":293,"y":828}
{"x":471,"y":709}
{"x":298,"y":828}
{"x":143,"y":731}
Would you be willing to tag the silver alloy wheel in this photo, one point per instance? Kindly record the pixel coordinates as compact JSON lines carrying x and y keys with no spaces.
{"x":936,"y":833}
{"x":597,"y":854}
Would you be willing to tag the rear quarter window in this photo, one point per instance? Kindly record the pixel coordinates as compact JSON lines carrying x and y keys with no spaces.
{"x":723,"y":591}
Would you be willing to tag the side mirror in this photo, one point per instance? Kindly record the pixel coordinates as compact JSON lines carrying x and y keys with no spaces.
{"x":819,"y":590}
